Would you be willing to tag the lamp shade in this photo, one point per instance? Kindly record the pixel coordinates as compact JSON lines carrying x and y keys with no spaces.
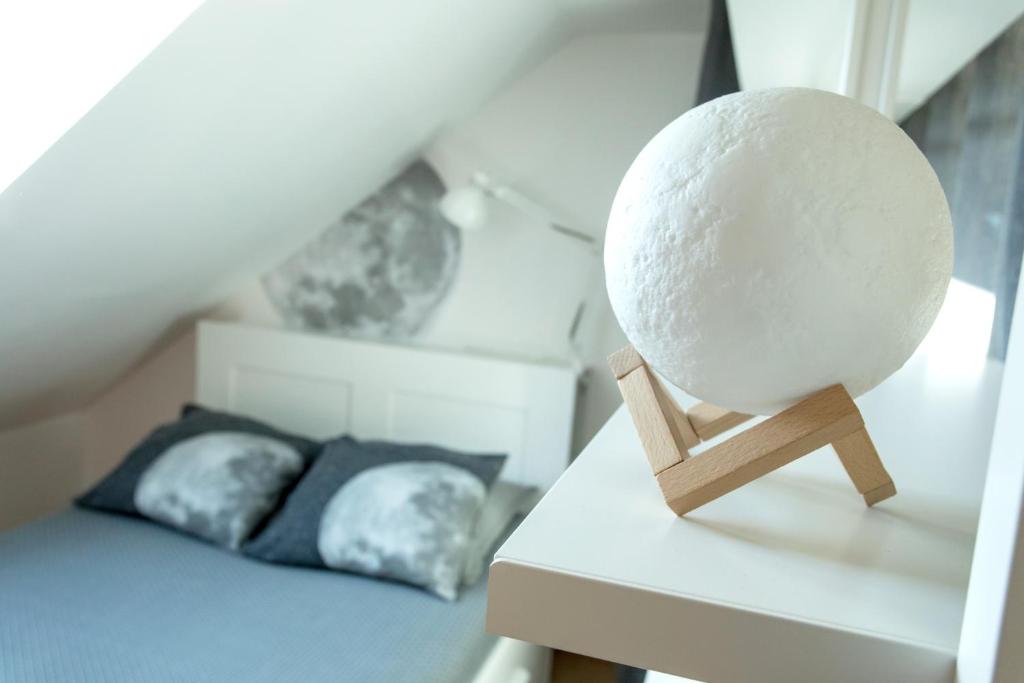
{"x":769,"y":244}
{"x":465,"y":207}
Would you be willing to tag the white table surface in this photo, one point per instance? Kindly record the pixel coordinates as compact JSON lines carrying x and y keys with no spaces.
{"x":788,"y":578}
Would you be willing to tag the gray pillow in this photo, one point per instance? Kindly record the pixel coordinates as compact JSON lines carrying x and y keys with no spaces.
{"x":506,"y":502}
{"x":218,"y":485}
{"x":400,"y":512}
{"x":116,"y":491}
{"x":211,"y":474}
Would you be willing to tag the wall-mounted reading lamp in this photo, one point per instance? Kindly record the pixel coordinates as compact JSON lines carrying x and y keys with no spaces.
{"x":468,"y":207}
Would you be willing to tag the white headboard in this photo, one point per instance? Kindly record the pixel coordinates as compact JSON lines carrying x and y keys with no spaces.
{"x":325,"y":386}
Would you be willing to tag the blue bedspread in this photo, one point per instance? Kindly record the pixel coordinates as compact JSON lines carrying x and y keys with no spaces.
{"x":90,"y":597}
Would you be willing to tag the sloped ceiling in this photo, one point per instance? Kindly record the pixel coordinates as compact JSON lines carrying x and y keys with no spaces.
{"x":59,"y":58}
{"x":247,"y":130}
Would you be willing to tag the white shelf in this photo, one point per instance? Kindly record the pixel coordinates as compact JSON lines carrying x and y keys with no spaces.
{"x":789,"y":578}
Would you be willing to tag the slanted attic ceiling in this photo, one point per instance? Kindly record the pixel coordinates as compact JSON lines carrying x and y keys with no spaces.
{"x":59,"y":58}
{"x":247,"y":130}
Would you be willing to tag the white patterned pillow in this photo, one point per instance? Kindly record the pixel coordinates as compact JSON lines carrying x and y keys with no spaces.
{"x":218,"y":485}
{"x":399,"y":512}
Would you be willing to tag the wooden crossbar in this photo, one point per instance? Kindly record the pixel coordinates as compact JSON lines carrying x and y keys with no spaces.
{"x":667,"y":433}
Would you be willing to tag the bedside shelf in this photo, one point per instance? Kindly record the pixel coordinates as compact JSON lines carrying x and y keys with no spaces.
{"x":790,"y":578}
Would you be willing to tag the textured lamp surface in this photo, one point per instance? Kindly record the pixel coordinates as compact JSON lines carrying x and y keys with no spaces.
{"x":771,"y":243}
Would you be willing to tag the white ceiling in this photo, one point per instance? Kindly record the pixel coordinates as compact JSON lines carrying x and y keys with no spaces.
{"x":252,"y":126}
{"x":801,"y":42}
{"x":58,"y":58}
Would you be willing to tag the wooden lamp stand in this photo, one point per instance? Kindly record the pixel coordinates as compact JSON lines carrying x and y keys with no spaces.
{"x":667,"y":433}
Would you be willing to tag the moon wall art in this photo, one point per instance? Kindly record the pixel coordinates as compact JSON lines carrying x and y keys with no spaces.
{"x":381,"y":271}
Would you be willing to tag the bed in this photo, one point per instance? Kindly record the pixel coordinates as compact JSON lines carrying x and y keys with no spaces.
{"x":88,"y":596}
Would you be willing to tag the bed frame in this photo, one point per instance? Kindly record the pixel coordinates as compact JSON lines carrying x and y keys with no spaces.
{"x":324,"y":386}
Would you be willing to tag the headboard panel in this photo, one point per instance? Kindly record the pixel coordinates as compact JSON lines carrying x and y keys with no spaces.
{"x":324,"y":386}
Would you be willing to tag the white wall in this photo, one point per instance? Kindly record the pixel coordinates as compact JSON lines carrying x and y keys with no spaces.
{"x":564,"y":134}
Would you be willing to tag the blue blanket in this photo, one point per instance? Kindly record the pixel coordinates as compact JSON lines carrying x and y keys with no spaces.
{"x":91,"y":597}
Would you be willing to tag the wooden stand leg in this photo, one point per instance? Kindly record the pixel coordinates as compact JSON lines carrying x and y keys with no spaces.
{"x":667,"y":433}
{"x":861,"y":461}
{"x":568,"y":667}
{"x":664,"y":430}
{"x":806,"y":427}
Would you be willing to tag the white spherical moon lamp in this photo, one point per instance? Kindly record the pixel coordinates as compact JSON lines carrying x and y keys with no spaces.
{"x":771,"y":243}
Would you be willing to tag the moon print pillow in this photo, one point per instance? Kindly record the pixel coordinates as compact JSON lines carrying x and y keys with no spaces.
{"x":211,"y":474}
{"x":400,"y":512}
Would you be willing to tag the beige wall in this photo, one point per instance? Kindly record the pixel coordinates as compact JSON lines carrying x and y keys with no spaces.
{"x":149,"y":395}
{"x":40,"y":468}
{"x":45,"y":464}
